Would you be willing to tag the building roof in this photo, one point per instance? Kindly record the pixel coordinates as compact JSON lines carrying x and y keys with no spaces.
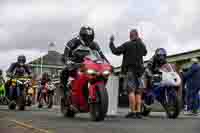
{"x":184,"y":55}
{"x":52,"y":58}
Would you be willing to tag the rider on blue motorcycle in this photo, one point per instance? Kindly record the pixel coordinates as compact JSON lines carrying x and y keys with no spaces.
{"x":163,"y":85}
{"x":158,"y":59}
{"x":17,"y":70}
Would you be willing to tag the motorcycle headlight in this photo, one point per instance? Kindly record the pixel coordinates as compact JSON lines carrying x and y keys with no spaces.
{"x":106,"y":72}
{"x":91,"y":72}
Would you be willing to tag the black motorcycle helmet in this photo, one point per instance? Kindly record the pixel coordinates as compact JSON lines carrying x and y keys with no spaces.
{"x":160,"y":56}
{"x":21,"y":59}
{"x":86,"y":34}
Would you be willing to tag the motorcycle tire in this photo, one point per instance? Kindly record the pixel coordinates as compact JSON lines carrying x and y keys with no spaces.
{"x":99,"y":110}
{"x":40,"y":105}
{"x":12,"y":105}
{"x":40,"y":100}
{"x":21,"y":103}
{"x":65,"y":110}
{"x":29,"y":102}
{"x":173,"y":111}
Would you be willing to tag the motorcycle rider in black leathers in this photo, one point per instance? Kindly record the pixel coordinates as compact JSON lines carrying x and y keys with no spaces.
{"x":153,"y":66}
{"x":18,"y":69}
{"x":85,"y":39}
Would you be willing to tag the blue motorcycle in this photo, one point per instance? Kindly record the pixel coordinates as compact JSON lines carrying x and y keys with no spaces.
{"x":164,"y":89}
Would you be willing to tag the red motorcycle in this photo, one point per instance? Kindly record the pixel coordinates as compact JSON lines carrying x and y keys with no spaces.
{"x":87,"y":89}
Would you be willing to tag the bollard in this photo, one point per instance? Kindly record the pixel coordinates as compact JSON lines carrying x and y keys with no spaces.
{"x":112,"y":88}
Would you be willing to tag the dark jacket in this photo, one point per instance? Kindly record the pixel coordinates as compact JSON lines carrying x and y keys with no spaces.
{"x":192,"y":77}
{"x":17,"y":70}
{"x":133,"y":52}
{"x":75,"y":43}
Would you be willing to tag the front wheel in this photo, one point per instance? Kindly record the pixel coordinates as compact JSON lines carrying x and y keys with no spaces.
{"x":29,"y":100}
{"x":172,"y":104}
{"x":99,"y":109}
{"x":40,"y":100}
{"x":12,"y":105}
{"x":21,"y":102}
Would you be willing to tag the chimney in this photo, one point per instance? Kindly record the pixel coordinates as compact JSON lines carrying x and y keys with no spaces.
{"x":52,"y":47}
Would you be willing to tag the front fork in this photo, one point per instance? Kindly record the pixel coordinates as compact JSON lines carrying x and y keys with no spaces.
{"x":12,"y":90}
{"x":169,"y":95}
{"x":93,"y":91}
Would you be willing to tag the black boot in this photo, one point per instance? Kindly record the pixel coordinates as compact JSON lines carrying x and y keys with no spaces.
{"x":130,"y":115}
{"x":139,"y":115}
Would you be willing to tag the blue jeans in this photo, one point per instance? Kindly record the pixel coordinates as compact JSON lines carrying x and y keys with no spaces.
{"x":193,"y":100}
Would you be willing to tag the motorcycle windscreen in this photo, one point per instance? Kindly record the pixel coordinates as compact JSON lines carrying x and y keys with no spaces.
{"x":168,"y":68}
{"x":88,"y":53}
{"x":169,"y":76}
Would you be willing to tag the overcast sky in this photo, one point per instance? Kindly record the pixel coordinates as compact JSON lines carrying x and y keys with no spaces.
{"x":26,"y":26}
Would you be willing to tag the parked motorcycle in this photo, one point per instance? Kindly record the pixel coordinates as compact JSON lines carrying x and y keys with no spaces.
{"x":17,"y":93}
{"x":87,"y":92}
{"x":164,"y":88}
{"x":46,"y":95}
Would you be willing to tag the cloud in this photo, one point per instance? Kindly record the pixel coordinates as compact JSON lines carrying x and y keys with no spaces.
{"x":27,"y":25}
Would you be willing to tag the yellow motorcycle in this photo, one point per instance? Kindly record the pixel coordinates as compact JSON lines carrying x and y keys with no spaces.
{"x":18,"y":92}
{"x":29,"y":94}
